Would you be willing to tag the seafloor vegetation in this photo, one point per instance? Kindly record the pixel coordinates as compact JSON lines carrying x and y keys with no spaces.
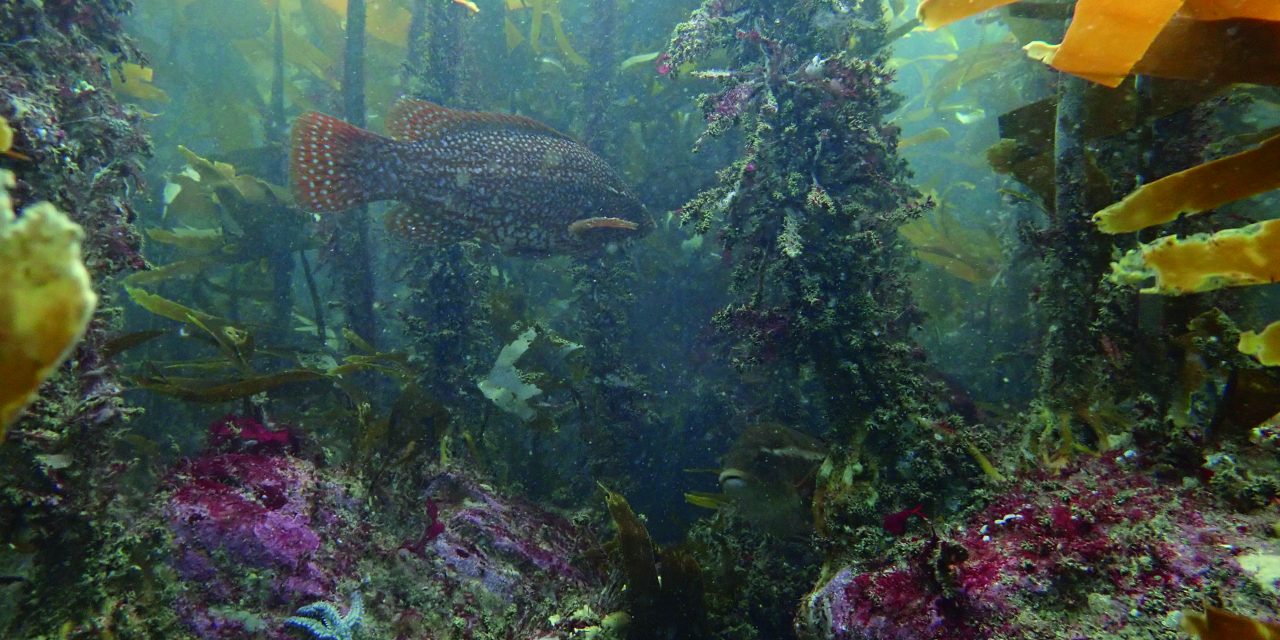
{"x":927,"y":337}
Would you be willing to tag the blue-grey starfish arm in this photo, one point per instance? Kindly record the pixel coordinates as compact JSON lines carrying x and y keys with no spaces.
{"x":323,"y":621}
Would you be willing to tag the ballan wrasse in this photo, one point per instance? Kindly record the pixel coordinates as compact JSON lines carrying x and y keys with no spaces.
{"x":458,"y":175}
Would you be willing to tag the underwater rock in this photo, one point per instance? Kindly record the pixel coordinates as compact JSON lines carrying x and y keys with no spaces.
{"x":256,"y":532}
{"x":490,"y":557}
{"x":1102,"y":550}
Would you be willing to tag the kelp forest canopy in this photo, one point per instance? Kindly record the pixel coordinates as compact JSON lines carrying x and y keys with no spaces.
{"x":706,"y":319}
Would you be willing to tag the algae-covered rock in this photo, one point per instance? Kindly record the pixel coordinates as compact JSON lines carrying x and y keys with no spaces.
{"x":46,"y":298}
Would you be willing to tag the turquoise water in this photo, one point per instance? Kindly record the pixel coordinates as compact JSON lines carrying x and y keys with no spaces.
{"x":747,"y":319}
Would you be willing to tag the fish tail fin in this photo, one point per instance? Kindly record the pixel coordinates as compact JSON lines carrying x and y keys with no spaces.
{"x":335,"y":164}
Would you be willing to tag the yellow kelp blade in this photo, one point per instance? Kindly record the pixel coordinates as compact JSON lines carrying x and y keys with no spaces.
{"x":1195,"y":190}
{"x":134,"y":81}
{"x":386,"y":21}
{"x":188,"y":239}
{"x":938,"y":13}
{"x":1264,"y":345}
{"x":514,"y":37}
{"x":201,"y":390}
{"x":639,"y":59}
{"x":194,"y":267}
{"x":936,"y":134}
{"x":550,"y":9}
{"x":1204,"y":262}
{"x":6,"y":135}
{"x":706,"y":500}
{"x":972,"y":65}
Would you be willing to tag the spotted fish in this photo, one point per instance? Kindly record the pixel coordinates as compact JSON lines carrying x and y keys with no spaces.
{"x":459,"y":175}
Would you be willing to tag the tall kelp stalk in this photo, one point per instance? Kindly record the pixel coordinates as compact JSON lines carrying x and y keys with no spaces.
{"x":350,"y":242}
{"x":1082,"y":317}
{"x":808,"y":217}
{"x":617,"y":419}
{"x":279,"y":256}
{"x":70,"y":568}
{"x":1170,"y":332}
{"x":1071,"y":275}
{"x":436,"y":53}
{"x":619,"y":423}
{"x":446,"y":316}
{"x":600,"y":87}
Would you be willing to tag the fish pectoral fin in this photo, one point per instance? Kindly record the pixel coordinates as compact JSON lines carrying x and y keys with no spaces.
{"x":580,"y":227}
{"x":417,"y":225}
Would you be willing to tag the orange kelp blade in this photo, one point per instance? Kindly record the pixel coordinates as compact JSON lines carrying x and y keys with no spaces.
{"x":1218,"y":51}
{"x":1106,"y":38}
{"x":1221,"y":40}
{"x":939,"y":13}
{"x":1220,"y":624}
{"x":580,"y":227}
{"x":1223,"y":9}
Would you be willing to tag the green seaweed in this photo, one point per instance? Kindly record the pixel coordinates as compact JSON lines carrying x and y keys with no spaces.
{"x":202,"y":390}
{"x":635,"y":548}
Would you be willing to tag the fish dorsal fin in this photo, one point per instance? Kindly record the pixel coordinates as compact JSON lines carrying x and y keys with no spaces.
{"x":416,"y":225}
{"x":412,"y":120}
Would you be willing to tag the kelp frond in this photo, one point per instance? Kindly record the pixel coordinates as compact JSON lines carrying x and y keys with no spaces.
{"x":966,"y":252}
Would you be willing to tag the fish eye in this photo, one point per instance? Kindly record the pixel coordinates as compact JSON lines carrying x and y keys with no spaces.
{"x":733,"y":481}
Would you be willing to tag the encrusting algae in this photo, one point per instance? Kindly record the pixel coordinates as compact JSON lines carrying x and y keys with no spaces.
{"x":46,"y":298}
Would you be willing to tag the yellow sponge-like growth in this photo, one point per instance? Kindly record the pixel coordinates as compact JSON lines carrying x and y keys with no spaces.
{"x":46,"y":298}
{"x":1204,"y":262}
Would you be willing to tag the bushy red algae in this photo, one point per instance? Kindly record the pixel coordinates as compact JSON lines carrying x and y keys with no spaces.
{"x":1103,"y":548}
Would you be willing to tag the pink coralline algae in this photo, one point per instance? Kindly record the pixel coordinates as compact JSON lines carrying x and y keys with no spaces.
{"x":509,"y":547}
{"x":491,"y":556}
{"x":237,"y":433}
{"x":1118,"y":550}
{"x":247,"y":512}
